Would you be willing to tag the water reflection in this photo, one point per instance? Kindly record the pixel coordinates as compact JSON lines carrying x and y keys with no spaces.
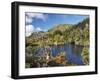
{"x":73,"y":52}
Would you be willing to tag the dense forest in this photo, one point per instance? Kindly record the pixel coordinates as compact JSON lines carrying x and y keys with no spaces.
{"x":77,"y":34}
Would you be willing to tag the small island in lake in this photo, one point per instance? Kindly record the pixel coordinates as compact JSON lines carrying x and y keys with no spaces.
{"x":56,"y":40}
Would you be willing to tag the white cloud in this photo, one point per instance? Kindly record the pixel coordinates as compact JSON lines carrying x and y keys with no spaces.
{"x":29,"y":30}
{"x":29,"y":16}
{"x":28,"y":19}
{"x":38,"y":29}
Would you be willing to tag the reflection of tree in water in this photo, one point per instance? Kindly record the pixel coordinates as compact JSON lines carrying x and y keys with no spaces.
{"x":76,"y":49}
{"x":45,"y":55}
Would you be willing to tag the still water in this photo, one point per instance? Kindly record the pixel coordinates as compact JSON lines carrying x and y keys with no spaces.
{"x":72,"y":52}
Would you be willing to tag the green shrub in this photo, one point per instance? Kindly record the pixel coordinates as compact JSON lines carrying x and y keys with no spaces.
{"x":85,"y":55}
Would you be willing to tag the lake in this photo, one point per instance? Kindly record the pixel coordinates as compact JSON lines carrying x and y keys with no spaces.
{"x":72,"y":52}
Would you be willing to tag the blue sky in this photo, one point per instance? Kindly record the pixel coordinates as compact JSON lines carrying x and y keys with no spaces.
{"x":44,"y":21}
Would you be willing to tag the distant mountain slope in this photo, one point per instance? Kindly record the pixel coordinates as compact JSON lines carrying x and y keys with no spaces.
{"x":77,"y":34}
{"x":82,"y":24}
{"x":60,"y":27}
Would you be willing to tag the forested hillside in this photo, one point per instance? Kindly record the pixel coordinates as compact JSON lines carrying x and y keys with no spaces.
{"x":64,"y":33}
{"x":39,"y":44}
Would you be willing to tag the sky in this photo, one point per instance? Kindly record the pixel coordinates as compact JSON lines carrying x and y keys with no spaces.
{"x":35,"y":22}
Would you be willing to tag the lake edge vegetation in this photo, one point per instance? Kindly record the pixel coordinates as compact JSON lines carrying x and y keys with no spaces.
{"x":77,"y":34}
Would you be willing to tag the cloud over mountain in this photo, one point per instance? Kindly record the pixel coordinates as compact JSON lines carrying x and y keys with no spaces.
{"x":29,"y":18}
